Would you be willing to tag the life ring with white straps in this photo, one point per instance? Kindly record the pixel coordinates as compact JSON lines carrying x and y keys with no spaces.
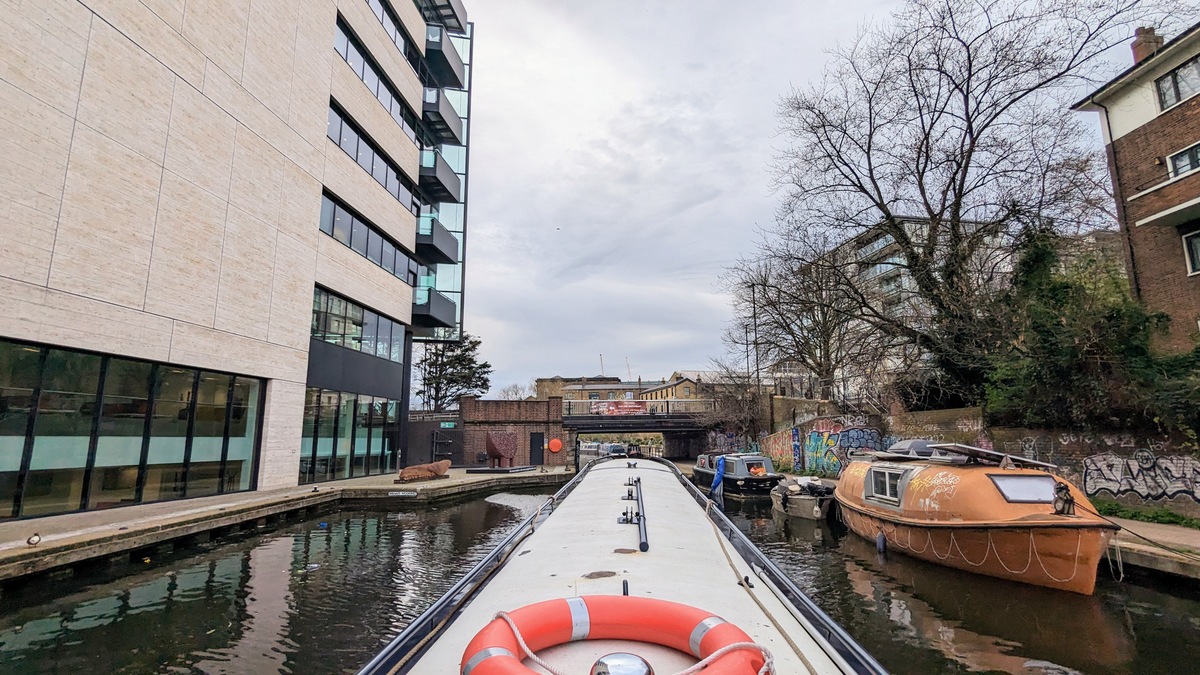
{"x":496,"y":650}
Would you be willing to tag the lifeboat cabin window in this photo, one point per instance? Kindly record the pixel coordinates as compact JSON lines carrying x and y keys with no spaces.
{"x":885,"y":484}
{"x":756,"y":467}
{"x":1025,"y":489}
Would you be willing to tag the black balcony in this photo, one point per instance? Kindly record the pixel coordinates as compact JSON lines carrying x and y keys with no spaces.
{"x":441,"y":117}
{"x":432,"y":309}
{"x":449,"y":13}
{"x":438,"y":180}
{"x":435,"y":244}
{"x":444,"y":62}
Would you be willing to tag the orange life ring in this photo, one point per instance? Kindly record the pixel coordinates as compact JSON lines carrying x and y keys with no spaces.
{"x":494,"y":650}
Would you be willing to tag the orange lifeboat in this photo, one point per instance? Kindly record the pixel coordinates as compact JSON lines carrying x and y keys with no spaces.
{"x":497,"y":650}
{"x":976,"y":510}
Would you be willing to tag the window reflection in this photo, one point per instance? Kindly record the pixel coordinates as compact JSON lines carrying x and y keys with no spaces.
{"x":347,"y":435}
{"x":82,"y":418}
{"x":346,"y":324}
{"x":124,"y":411}
{"x":19,"y":372}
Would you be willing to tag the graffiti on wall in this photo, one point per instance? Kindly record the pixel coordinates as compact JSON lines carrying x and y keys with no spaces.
{"x":779,"y":448}
{"x":828,"y":443}
{"x":1143,"y":474}
{"x":727,"y":441}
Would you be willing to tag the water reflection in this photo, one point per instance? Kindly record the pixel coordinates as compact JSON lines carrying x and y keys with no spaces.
{"x":917,"y":617}
{"x":316,"y":597}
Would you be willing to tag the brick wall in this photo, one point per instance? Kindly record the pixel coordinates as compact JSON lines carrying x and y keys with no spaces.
{"x":1157,"y":263}
{"x":519,"y":417}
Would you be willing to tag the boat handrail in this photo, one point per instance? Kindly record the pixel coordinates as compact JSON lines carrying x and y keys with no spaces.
{"x":835,"y":637}
{"x":406,"y":647}
{"x":991,"y":455}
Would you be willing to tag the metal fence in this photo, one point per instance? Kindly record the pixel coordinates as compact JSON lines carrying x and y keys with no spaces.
{"x":627,"y":407}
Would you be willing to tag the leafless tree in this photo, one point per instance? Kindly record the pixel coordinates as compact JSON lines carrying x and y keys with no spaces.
{"x":516,"y":392}
{"x":946,"y":131}
{"x":739,"y":405}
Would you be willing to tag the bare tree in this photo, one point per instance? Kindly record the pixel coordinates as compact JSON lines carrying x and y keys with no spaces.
{"x":739,"y":405}
{"x":945,"y":135}
{"x":515,"y":392}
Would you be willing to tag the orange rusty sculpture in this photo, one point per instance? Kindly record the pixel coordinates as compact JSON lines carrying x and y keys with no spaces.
{"x":501,"y":448}
{"x":424,"y":471}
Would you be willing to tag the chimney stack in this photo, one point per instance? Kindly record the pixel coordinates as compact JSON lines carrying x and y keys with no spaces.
{"x":1145,"y":43}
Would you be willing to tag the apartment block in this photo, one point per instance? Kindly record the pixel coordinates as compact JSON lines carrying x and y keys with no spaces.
{"x":1150,"y":117}
{"x":224,"y":225}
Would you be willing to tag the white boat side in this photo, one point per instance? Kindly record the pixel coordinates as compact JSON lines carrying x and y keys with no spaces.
{"x":581,"y":549}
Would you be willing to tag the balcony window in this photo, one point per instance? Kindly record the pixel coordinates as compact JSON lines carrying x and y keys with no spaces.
{"x":1183,"y":162}
{"x":1191,"y":247}
{"x":1179,"y":84}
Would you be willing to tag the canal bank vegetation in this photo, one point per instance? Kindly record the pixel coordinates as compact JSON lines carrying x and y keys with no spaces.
{"x":1157,"y":514}
{"x":945,"y":235}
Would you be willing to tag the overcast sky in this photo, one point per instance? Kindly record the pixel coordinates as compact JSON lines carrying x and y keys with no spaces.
{"x":620,"y":158}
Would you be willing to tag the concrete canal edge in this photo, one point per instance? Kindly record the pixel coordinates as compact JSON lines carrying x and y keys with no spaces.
{"x":118,"y":535}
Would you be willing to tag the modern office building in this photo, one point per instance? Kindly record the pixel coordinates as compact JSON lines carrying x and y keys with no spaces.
{"x":224,"y":223}
{"x":1150,"y":118}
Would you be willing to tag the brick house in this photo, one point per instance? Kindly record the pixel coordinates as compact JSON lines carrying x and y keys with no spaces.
{"x":1150,"y":117}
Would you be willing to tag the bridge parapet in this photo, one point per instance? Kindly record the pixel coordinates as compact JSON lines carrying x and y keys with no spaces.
{"x":666,"y":407}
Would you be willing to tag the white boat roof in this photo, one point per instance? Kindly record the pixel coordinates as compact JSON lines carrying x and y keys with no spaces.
{"x":582,"y":549}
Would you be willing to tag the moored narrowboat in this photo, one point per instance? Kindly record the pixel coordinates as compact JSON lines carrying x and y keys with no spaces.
{"x":745,"y":475}
{"x":976,"y":510}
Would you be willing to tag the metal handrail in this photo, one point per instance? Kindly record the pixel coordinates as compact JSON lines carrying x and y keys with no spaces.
{"x":412,"y":642}
{"x":836,"y":637}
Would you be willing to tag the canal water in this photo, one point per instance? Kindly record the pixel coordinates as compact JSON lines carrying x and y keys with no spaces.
{"x":324,"y":595}
{"x":917,"y":617}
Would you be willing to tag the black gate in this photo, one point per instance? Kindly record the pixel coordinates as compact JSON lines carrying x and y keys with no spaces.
{"x":537,"y":449}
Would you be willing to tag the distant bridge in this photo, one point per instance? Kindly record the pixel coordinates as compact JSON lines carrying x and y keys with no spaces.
{"x":624,"y":416}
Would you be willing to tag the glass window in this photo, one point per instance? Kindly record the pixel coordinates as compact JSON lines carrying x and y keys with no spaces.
{"x":349,"y":141}
{"x":358,"y":241}
{"x":1185,"y":161}
{"x":371,"y":322}
{"x":208,"y":435}
{"x":336,"y":331}
{"x":371,"y":80}
{"x":340,"y":42}
{"x":123,"y":413}
{"x":885,"y":484}
{"x":19,"y":372}
{"x":1191,"y":246}
{"x":62,"y":432}
{"x":380,"y":171}
{"x":366,"y":156}
{"x":334,"y":129}
{"x":362,"y":437}
{"x":327,"y":431}
{"x":384,"y":345}
{"x":398,"y":334}
{"x":327,"y":209}
{"x":243,"y":434}
{"x":1025,"y":489}
{"x":392,"y":181}
{"x":389,"y":257}
{"x":1187,"y":79}
{"x":341,"y":225}
{"x":173,"y":392}
{"x":374,"y":247}
{"x":354,"y":58}
{"x":308,"y":435}
{"x":379,"y":416}
{"x":345,"y":431}
{"x":354,"y":325}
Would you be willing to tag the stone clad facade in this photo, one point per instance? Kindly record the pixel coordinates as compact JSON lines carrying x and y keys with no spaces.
{"x":161,"y":185}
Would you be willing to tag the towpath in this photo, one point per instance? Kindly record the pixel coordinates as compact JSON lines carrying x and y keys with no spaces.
{"x":73,"y":538}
